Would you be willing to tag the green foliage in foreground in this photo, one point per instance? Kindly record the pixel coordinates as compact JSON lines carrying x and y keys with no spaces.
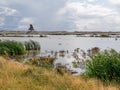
{"x":105,"y":66}
{"x":11,"y":47}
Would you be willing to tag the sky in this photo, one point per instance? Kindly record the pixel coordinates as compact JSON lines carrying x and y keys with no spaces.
{"x":60,"y":15}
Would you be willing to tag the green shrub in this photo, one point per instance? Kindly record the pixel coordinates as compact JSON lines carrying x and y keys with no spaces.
{"x":11,"y":47}
{"x":104,"y":66}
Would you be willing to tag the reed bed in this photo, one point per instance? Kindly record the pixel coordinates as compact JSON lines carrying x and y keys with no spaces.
{"x":13,"y":48}
{"x":31,"y":45}
{"x":105,"y":66}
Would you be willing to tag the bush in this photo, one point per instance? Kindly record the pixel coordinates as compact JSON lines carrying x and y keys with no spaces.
{"x":11,"y":47}
{"x":104,"y":66}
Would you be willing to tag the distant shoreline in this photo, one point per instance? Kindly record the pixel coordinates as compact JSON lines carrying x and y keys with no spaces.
{"x":5,"y":32}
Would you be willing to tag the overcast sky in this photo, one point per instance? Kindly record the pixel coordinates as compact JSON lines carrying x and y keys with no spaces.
{"x":56,"y":15}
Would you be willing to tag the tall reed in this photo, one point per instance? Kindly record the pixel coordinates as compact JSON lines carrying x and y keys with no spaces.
{"x":11,"y":47}
{"x":17,"y":48}
{"x":31,"y":45}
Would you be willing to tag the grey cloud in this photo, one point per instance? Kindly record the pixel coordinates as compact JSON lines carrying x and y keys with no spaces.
{"x":94,"y":18}
{"x":44,"y":14}
{"x":9,"y":18}
{"x":44,"y":11}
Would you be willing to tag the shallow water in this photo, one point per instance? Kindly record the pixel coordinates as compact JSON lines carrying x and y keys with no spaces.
{"x":55,"y":43}
{"x":70,"y":42}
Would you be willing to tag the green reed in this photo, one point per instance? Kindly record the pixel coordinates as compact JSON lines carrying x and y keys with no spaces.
{"x":17,"y":48}
{"x":31,"y":45}
{"x":11,"y":47}
{"x":105,"y":66}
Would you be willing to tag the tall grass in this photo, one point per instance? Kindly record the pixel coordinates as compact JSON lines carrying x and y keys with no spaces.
{"x":18,"y":76}
{"x":105,"y":66}
{"x":31,"y":45}
{"x":11,"y":47}
{"x":45,"y":62}
{"x":17,"y":48}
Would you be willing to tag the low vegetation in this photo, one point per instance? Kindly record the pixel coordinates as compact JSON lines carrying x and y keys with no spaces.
{"x":46,"y":62}
{"x":17,"y":48}
{"x":17,"y":76}
{"x":31,"y":45}
{"x":104,"y":35}
{"x":105,"y":66}
{"x":11,"y":47}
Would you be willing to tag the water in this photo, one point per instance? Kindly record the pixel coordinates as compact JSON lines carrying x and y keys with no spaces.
{"x":70,"y":42}
{"x":55,"y":43}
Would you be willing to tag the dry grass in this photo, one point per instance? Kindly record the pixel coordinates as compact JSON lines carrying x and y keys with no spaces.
{"x":16,"y":76}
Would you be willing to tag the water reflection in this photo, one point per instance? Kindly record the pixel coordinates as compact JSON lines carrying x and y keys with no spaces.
{"x":67,"y":59}
{"x":74,"y":61}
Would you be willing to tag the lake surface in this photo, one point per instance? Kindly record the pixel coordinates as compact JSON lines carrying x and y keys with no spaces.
{"x":70,"y":42}
{"x":55,"y":43}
